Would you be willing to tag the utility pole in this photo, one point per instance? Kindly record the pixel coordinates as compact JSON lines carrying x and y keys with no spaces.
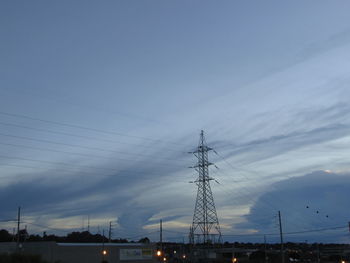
{"x":110,"y":232}
{"x":161,"y":235}
{"x":265,"y":252}
{"x":233,"y":259}
{"x":281,"y":236}
{"x":183,"y":255}
{"x":25,"y":234}
{"x":88,"y":226}
{"x":18,"y":225}
{"x":191,"y":243}
{"x":104,"y":252}
{"x":191,"y":236}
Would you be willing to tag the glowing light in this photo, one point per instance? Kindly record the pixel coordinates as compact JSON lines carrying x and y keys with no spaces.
{"x":104,"y":252}
{"x":159,"y":253}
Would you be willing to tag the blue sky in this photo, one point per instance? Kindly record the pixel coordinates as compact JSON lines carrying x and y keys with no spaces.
{"x":101,"y":101}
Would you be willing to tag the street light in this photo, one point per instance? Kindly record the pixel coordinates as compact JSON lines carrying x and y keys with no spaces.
{"x":104,"y":253}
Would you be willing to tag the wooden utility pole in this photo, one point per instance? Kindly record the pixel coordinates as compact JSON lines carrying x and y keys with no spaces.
{"x":265,"y":252}
{"x":18,"y":226}
{"x":281,"y":236}
{"x":161,"y":235}
{"x":110,"y":232}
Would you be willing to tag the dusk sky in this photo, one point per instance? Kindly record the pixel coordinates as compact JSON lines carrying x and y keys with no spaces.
{"x":101,"y":101}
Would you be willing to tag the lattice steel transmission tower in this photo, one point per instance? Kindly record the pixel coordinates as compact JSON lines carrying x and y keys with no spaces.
{"x":205,"y":224}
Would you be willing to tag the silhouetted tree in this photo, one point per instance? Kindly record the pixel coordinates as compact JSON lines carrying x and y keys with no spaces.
{"x":34,"y":238}
{"x":5,"y":236}
{"x":144,"y":240}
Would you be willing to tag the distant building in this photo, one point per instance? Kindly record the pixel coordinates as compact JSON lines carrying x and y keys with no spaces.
{"x":86,"y":252}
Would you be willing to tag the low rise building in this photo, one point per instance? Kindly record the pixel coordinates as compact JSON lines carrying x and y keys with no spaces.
{"x":85,"y":252}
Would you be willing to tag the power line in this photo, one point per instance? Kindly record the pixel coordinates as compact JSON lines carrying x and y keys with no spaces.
{"x":247,"y":190}
{"x":81,"y":136}
{"x":276,"y":234}
{"x":246,"y":193}
{"x":50,"y":228}
{"x":85,"y":128}
{"x":120,"y":172}
{"x":263,"y":201}
{"x":89,"y":107}
{"x":143,"y":235}
{"x":59,"y":151}
{"x":8,"y":220}
{"x":79,"y":154}
{"x":35,"y":167}
{"x":78,"y":146}
{"x":269,"y":219}
{"x":58,"y":163}
{"x":177,"y":232}
{"x":292,"y":233}
{"x":315,"y":230}
{"x":268,"y":204}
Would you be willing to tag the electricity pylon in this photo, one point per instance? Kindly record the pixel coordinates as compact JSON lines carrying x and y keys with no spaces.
{"x":205,"y":224}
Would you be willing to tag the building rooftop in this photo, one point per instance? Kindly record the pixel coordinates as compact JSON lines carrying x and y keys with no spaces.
{"x":101,"y":244}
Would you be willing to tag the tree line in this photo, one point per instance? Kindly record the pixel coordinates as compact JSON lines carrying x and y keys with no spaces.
{"x":73,"y":237}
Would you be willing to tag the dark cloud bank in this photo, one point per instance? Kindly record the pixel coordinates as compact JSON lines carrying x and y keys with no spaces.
{"x":314,"y":201}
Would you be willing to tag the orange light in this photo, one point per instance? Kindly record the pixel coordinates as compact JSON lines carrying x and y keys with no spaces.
{"x":234,"y":260}
{"x":159,"y":253}
{"x":104,"y":252}
{"x":164,"y":259}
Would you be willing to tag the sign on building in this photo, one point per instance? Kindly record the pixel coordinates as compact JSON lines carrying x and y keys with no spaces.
{"x":135,"y":254}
